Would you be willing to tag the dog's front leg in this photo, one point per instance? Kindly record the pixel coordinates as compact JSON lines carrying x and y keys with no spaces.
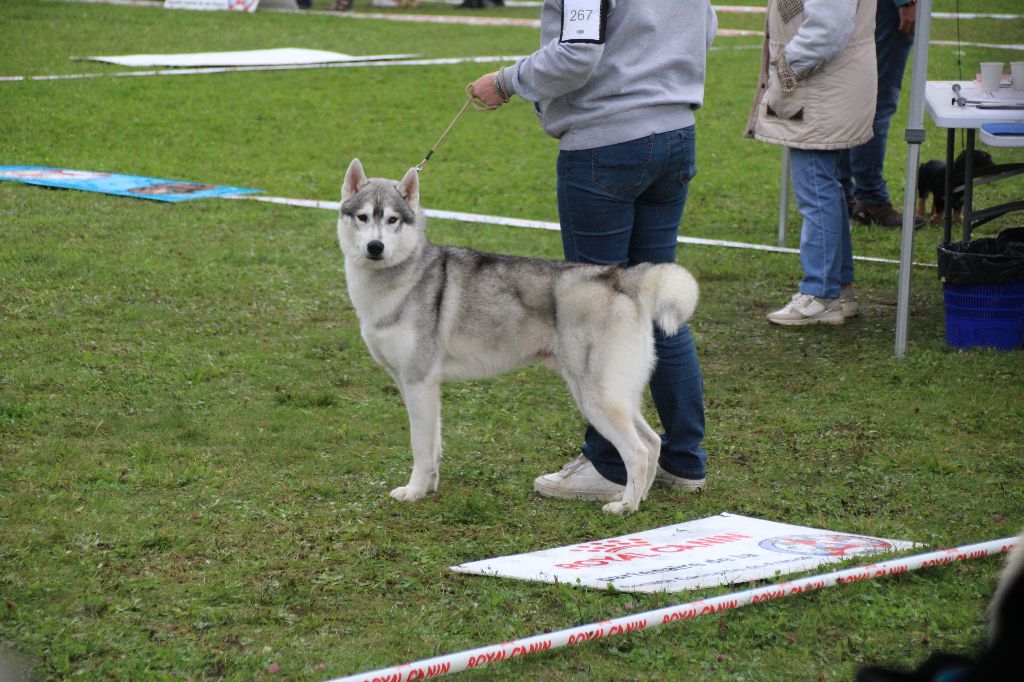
{"x":423,"y":401}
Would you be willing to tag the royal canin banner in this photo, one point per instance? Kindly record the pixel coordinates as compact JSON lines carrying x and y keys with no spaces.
{"x":718,"y":550}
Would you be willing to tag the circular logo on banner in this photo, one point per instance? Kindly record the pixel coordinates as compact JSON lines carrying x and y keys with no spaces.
{"x":834,"y":544}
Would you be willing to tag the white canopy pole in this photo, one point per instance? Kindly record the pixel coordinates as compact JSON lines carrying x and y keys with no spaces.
{"x":784,"y":196}
{"x":915,"y":136}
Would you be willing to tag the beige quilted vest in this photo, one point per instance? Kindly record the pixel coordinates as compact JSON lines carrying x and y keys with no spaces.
{"x":837,"y":100}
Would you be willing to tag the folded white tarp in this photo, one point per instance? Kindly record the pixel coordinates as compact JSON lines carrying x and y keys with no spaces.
{"x":274,"y":57}
{"x":719,"y":550}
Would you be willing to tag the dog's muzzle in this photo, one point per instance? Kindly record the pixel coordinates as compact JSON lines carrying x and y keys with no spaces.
{"x":375,"y":250}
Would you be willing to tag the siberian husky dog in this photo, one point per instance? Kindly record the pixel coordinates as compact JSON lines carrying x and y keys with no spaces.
{"x":430,"y":314}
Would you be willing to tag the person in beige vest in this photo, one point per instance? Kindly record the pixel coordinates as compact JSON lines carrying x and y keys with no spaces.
{"x":816,"y":96}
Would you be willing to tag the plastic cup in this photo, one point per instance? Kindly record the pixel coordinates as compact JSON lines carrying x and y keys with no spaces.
{"x":1017,"y":74}
{"x":991,"y":73}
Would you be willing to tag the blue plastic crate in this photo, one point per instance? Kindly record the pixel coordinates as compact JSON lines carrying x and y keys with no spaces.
{"x":984,"y":315}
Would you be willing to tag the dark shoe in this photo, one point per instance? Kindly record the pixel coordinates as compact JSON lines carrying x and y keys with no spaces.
{"x":883,"y":215}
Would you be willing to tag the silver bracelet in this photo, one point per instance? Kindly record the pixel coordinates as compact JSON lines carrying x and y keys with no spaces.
{"x":499,"y":85}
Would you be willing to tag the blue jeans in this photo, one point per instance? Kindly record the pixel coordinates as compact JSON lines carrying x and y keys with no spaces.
{"x":863,"y":166}
{"x":622,"y":204}
{"x":826,"y":251}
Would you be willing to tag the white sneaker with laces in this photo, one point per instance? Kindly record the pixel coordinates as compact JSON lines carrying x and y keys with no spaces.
{"x":678,"y":483}
{"x":578,"y":480}
{"x":850,"y":302}
{"x":806,"y":309}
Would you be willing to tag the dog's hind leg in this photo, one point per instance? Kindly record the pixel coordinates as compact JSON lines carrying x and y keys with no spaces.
{"x":653,"y":441}
{"x":605,"y":350}
{"x":616,"y":422}
{"x":423,"y":402}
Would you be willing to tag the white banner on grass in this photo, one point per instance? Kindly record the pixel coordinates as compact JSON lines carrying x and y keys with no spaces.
{"x":272,"y":57}
{"x":718,"y":550}
{"x":214,"y":5}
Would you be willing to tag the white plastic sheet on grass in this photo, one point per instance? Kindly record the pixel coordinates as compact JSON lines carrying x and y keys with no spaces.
{"x":718,"y":550}
{"x":271,"y":57}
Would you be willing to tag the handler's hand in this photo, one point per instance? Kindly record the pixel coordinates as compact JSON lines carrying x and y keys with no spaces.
{"x":908,"y":19}
{"x":785,"y":105}
{"x":483,"y":89}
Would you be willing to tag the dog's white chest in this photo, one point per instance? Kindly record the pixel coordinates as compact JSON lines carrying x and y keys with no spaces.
{"x":390,"y":346}
{"x":384,"y":330}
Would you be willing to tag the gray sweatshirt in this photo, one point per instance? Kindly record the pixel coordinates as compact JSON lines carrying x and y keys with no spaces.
{"x":637,"y":72}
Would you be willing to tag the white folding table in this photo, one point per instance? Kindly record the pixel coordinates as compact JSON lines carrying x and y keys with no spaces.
{"x":968,"y":107}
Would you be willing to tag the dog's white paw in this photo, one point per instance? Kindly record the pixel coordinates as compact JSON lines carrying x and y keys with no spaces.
{"x":407,"y":493}
{"x":618,"y":508}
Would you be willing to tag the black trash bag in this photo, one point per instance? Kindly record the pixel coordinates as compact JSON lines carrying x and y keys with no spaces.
{"x":981,"y":261}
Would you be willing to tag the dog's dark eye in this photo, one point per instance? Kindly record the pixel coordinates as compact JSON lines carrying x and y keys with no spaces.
{"x":361,"y":217}
{"x":392,"y":220}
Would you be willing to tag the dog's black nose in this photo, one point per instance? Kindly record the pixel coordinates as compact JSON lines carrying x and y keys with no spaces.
{"x":375,"y":248}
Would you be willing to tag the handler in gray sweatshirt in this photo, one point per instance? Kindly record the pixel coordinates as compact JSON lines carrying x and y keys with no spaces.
{"x":612,"y":71}
{"x":617,"y":82}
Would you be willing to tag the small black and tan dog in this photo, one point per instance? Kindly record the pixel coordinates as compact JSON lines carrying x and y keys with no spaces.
{"x":931,"y":179}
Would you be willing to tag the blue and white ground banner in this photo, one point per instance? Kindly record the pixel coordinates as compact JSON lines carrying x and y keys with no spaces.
{"x":157,"y":189}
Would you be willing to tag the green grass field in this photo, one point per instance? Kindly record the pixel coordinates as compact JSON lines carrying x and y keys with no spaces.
{"x":196,"y":448}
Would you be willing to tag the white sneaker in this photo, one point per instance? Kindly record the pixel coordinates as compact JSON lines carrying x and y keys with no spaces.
{"x":850,"y":302}
{"x":679,"y":484}
{"x":578,"y":480}
{"x":807,"y":309}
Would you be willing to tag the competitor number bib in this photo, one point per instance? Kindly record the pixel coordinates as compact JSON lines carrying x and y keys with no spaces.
{"x":583,"y":21}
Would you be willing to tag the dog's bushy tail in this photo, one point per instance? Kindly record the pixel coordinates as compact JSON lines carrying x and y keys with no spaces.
{"x":671,"y":294}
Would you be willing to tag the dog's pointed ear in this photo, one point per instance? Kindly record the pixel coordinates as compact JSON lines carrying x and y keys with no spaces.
{"x":354,"y":179}
{"x":409,"y":187}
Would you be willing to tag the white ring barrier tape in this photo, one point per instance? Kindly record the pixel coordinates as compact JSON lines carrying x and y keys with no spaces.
{"x":994,"y":46}
{"x":276,"y":67}
{"x":440,"y":61}
{"x":476,"y":658}
{"x":554,"y":227}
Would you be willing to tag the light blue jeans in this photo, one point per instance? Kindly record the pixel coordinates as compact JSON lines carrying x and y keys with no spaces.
{"x":863,"y":166}
{"x":826,"y":251}
{"x":623,"y":204}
